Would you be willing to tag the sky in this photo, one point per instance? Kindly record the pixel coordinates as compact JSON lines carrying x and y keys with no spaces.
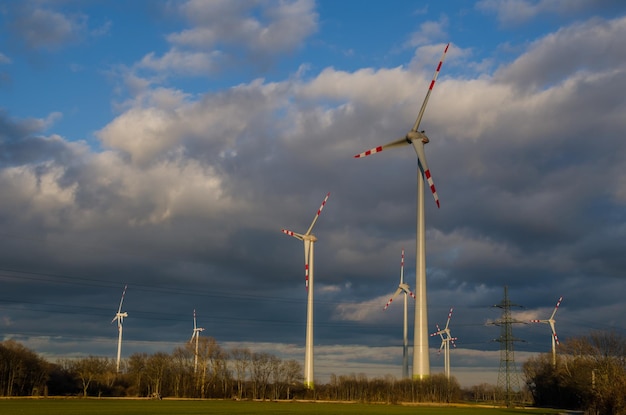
{"x":165,"y":145}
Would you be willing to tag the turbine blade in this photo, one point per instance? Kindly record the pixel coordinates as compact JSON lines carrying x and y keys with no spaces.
{"x":430,"y":88}
{"x":438,"y":332}
{"x":554,"y":332}
{"x":402,"y":268}
{"x":194,"y":320}
{"x":308,"y":248}
{"x":317,"y":215}
{"x":398,"y":143}
{"x":294,"y":234}
{"x":398,"y":291}
{"x":122,"y":300}
{"x":449,"y":317}
{"x":558,"y":303}
{"x":421,"y":159}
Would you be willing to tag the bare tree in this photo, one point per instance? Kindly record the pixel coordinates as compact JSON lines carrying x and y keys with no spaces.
{"x":292,"y":372}
{"x":261,"y":370}
{"x":208,"y":353}
{"x":277,"y":376}
{"x":183,"y":371}
{"x":241,"y":359}
{"x":137,"y":363}
{"x":89,"y":370}
{"x":157,"y":368}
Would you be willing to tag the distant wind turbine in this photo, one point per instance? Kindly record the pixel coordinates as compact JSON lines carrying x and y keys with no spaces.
{"x":309,"y":240}
{"x":403,"y":288}
{"x":446,"y":339}
{"x":196,"y":335}
{"x":551,"y":321}
{"x":421,"y":363}
{"x":119,"y":316}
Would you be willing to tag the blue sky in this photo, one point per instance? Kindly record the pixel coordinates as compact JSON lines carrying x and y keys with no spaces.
{"x":165,"y":144}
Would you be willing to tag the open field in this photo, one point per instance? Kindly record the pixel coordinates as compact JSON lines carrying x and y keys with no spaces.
{"x":218,"y":407}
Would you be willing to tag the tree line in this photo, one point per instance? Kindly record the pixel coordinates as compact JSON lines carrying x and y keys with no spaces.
{"x":211,"y":373}
{"x":589,"y":374}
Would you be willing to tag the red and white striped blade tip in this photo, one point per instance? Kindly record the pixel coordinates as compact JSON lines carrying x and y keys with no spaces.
{"x":369,"y":152}
{"x":431,"y":185}
{"x":397,"y":143}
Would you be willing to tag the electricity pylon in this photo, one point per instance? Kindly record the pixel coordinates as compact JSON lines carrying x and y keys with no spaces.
{"x":508,"y":378}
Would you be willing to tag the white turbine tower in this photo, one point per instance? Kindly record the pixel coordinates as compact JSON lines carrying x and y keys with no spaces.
{"x":309,"y":240}
{"x":421,"y":364}
{"x":403,"y":288}
{"x":446,"y":339}
{"x":119,"y":316}
{"x":551,"y":321}
{"x":196,"y":335}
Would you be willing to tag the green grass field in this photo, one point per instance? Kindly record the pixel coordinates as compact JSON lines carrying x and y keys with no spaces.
{"x":216,"y":407}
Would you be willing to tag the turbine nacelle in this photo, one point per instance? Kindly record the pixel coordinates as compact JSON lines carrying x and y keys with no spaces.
{"x":196,"y":333}
{"x":405,"y":287}
{"x":413,"y":136}
{"x":119,"y":317}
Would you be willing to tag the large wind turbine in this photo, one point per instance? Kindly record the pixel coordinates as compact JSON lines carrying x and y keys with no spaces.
{"x":421,"y":364}
{"x":119,"y":316}
{"x":403,"y":288}
{"x":196,"y":335}
{"x":309,"y":240}
{"x":446,"y":339}
{"x":551,"y":321}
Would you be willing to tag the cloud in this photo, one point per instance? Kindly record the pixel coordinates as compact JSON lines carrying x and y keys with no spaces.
{"x":44,"y":28}
{"x":521,"y":11}
{"x":429,"y":32}
{"x":577,"y":50}
{"x":226,"y":34}
{"x":262,"y":27}
{"x":182,"y":62}
{"x":4,"y":59}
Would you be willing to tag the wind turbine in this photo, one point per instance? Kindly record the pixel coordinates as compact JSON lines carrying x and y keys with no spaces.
{"x":403,"y":288}
{"x":421,"y":364}
{"x":551,"y":321}
{"x":446,"y":339}
{"x":119,"y":316}
{"x":196,"y":335}
{"x":309,"y":240}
